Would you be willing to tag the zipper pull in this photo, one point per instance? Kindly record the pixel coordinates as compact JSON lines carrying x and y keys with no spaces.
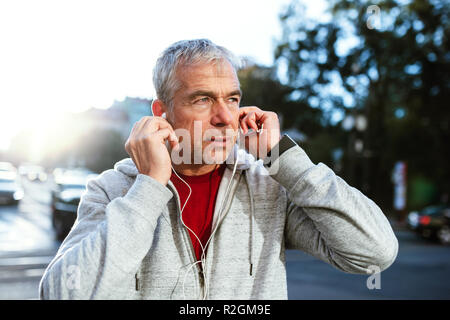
{"x":202,"y":284}
{"x":137,"y":281}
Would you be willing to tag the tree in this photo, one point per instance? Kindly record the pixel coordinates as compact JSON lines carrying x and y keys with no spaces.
{"x":397,"y":74}
{"x":261,"y":87}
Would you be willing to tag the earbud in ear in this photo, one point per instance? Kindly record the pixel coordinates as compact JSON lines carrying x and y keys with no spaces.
{"x":164,"y":116}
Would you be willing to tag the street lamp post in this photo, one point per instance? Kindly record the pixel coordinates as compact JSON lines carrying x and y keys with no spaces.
{"x":348,"y":124}
{"x":355,"y":124}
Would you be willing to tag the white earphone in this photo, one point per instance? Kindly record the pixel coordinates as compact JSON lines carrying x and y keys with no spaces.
{"x":164,"y":116}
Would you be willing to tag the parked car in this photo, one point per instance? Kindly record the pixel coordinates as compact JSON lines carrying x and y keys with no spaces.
{"x":67,"y":191}
{"x":7,"y":166}
{"x":10,"y":191}
{"x":33,"y":172}
{"x":432,"y":222}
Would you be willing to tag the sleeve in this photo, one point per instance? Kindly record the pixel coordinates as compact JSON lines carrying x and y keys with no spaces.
{"x":105,"y":247}
{"x":331,"y":220}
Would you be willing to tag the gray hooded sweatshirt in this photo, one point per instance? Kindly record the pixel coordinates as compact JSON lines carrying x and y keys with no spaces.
{"x":128,"y":241}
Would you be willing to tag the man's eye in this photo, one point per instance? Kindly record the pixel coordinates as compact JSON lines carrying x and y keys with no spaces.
{"x":202,"y":100}
{"x":234,"y":100}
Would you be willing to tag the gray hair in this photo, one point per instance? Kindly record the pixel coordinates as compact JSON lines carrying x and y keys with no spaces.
{"x":181,"y":53}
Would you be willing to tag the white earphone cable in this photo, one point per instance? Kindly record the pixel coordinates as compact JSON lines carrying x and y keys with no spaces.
{"x":217,"y":223}
{"x":182,"y":222}
{"x":203,"y":255}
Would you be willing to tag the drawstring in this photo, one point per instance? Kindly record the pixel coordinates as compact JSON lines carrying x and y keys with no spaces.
{"x":252,"y":223}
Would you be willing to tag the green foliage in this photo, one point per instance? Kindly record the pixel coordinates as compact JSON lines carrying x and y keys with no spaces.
{"x":398,"y":74}
{"x":261,"y":88}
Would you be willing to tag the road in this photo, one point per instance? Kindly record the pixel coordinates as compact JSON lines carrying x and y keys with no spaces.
{"x":421,"y":271}
{"x":27,"y":244}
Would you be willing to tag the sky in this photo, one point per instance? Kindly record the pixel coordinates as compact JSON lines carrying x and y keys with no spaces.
{"x":59,"y":56}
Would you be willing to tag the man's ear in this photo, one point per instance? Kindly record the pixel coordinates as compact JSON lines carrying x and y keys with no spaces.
{"x":158,"y":108}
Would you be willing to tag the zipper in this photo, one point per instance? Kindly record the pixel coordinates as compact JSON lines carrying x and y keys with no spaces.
{"x":186,"y":231}
{"x":227,"y":203}
{"x":188,"y":239}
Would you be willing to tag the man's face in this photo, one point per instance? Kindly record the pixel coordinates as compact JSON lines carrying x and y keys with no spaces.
{"x":207,"y":106}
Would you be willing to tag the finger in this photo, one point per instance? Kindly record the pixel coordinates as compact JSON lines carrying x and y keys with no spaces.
{"x":165,"y":134}
{"x":173,"y":139}
{"x":244,"y":126}
{"x":174,"y":144}
{"x":136,"y":126}
{"x":254,"y":119}
{"x":243,"y":111}
{"x":250,"y":121}
{"x":248,"y":109}
{"x":141,"y":127}
{"x":155,"y":124}
{"x":135,"y":131}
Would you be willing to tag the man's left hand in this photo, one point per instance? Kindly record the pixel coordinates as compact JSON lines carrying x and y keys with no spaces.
{"x":259,"y":144}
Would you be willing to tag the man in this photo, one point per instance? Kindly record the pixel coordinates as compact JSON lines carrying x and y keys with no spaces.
{"x":213,"y":226}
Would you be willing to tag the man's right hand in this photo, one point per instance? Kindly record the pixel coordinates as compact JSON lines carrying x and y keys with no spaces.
{"x":146,"y":146}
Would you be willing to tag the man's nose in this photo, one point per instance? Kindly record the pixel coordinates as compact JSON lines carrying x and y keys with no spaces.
{"x":222,"y":115}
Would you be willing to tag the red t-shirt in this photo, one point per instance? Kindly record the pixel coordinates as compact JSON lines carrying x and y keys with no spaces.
{"x":199,"y":210}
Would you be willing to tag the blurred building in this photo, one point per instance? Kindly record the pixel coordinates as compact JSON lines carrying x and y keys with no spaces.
{"x":120,"y":117}
{"x":66,"y":141}
{"x":133,"y":109}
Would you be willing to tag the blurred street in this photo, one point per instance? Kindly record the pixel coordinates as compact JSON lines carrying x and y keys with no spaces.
{"x":421,"y":271}
{"x":27,"y":244}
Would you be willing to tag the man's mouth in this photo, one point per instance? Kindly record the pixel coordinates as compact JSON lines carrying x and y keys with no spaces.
{"x":219,"y":140}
